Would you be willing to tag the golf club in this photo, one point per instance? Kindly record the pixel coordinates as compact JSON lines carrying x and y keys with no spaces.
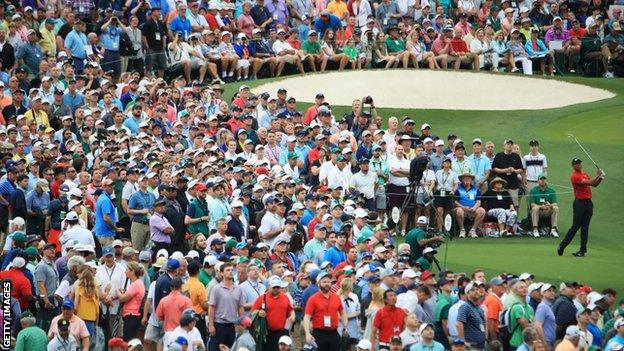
{"x":585,"y":151}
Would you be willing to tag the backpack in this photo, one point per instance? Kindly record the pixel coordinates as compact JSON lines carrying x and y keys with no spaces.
{"x":125,"y":45}
{"x":503,"y":328}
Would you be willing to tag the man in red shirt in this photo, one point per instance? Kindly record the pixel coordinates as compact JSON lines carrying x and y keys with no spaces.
{"x":21,"y":287}
{"x":459,"y":49}
{"x":275,"y":306}
{"x":322,"y":311}
{"x":583,"y":208}
{"x":389,"y":321}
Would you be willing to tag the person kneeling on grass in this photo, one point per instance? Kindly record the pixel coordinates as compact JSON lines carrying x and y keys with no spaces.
{"x":499,"y":205}
{"x":468,"y":205}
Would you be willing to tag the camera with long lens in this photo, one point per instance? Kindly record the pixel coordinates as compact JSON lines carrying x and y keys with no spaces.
{"x":367,"y":100}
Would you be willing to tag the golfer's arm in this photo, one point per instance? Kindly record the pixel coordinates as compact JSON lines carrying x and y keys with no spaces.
{"x":596,"y":181}
{"x":211,"y":315}
{"x":492,"y":331}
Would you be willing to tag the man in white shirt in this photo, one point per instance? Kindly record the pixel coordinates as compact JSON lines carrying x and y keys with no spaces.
{"x":340,"y":175}
{"x":271,"y":224}
{"x":535,"y":164}
{"x":283,"y":49}
{"x":398,"y":182}
{"x":365,"y":182}
{"x":180,"y":56}
{"x":111,"y":277}
{"x":75,"y":233}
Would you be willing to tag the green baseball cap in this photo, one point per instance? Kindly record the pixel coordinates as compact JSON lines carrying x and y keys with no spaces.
{"x":362,"y":239}
{"x":542,"y":176}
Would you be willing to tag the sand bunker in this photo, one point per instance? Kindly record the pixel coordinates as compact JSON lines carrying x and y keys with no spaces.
{"x":447,"y":90}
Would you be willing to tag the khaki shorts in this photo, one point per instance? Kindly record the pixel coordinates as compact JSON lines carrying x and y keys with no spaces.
{"x":289,"y":59}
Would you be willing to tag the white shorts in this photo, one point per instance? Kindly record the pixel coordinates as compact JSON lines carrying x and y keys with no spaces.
{"x":242,"y":64}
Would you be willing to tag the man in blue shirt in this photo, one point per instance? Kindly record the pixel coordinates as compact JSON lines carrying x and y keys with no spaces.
{"x":106,"y":215}
{"x":468,"y":205}
{"x":181,"y":23}
{"x":111,"y":37}
{"x":30,"y":53}
{"x":336,"y":253}
{"x":75,"y":44}
{"x":327,"y":21}
{"x":479,"y":165}
{"x":72,"y":98}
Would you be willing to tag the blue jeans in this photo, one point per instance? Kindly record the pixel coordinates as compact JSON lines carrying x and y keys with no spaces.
{"x":91,"y":328}
{"x":78,"y":64}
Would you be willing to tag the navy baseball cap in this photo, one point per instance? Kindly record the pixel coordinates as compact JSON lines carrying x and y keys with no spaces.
{"x":576,"y":160}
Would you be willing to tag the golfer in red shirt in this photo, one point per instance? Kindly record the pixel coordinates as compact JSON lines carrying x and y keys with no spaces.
{"x":322,"y":310}
{"x":583,"y":208}
{"x":389,"y":321}
{"x":275,"y":306}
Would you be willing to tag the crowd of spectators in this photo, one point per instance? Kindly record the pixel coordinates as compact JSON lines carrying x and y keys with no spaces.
{"x":142,"y":208}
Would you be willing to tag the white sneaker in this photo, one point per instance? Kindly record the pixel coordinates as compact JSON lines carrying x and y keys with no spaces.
{"x":462,"y":233}
{"x":402,"y":232}
{"x":553,"y":233}
{"x":536,"y":233}
{"x":473,"y":233}
{"x":609,"y":75}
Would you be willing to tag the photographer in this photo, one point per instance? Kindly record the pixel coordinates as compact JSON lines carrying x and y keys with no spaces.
{"x":360,"y":120}
{"x":111,"y":40}
{"x":418,"y":239}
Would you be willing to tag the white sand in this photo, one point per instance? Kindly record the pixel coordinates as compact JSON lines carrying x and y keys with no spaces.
{"x":424,"y":89}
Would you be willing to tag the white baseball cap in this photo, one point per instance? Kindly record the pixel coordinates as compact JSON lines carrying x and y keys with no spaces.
{"x":364,"y":344}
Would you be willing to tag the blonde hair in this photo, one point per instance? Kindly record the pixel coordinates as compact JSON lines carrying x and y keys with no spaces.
{"x":87,"y":283}
{"x":136,"y":268}
{"x":377,"y":296}
{"x":345,"y":287}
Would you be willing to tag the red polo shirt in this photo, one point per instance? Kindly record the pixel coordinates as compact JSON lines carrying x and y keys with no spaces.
{"x":390,"y":321}
{"x":21,"y":287}
{"x":581,"y":191}
{"x":277,"y":309}
{"x":319,"y":306}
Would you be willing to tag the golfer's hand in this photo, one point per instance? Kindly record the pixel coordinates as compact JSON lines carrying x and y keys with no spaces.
{"x":599,"y":173}
{"x":223,"y":348}
{"x":212,"y":330}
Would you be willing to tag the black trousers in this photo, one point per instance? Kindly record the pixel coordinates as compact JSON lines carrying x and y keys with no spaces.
{"x":225,"y":334}
{"x":326,"y":340}
{"x":131,"y":326}
{"x":583,"y":210}
{"x":272,"y":341}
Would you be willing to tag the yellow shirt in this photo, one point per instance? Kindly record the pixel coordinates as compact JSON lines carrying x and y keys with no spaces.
{"x":48,"y":42}
{"x":87,"y":307}
{"x":197,"y":294}
{"x":338,"y":8}
{"x":40,"y":118}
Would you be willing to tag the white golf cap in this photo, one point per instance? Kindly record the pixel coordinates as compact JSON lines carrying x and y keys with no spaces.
{"x":192,"y":254}
{"x":364,"y":344}
{"x":525,"y":276}
{"x":572,"y":331}
{"x":409,"y":273}
{"x":211,"y":260}
{"x":427,"y":140}
{"x":277,"y":281}
{"x":424,"y":126}
{"x":286,"y":340}
{"x":71,"y":216}
{"x":321,"y":204}
{"x":162,"y":252}
{"x":360,"y":213}
{"x":439,"y":142}
{"x":545,"y":287}
{"x":117,"y":243}
{"x":534,"y":286}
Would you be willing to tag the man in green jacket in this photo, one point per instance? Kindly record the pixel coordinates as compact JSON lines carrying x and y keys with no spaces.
{"x":31,"y":337}
{"x":592,"y":49}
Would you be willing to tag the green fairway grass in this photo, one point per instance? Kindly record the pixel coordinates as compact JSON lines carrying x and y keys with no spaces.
{"x":598,"y":126}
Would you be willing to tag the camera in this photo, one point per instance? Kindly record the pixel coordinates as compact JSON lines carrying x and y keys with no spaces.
{"x":367,"y":100}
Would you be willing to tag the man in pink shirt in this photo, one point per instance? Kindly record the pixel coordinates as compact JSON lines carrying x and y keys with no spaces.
{"x":441,"y":47}
{"x":77,"y":326}
{"x":170,"y":308}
